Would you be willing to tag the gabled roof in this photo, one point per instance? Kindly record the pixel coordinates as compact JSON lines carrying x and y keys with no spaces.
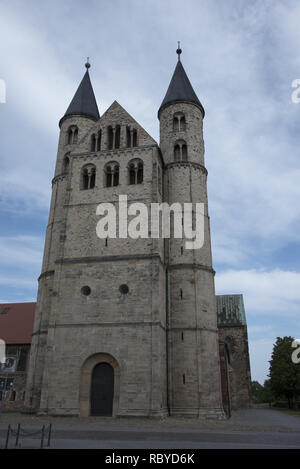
{"x":84,"y":101}
{"x":180,"y":89}
{"x":230,"y":310}
{"x":16,"y":322}
{"x":116,"y":114}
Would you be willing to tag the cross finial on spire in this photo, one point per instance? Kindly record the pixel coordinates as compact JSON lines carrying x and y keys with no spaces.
{"x":87,"y":64}
{"x":178,"y":51}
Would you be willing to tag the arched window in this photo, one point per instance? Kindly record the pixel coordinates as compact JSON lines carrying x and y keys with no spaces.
{"x":175,"y":124}
{"x":136,"y":171}
{"x":131,"y":174}
{"x":108,"y":176}
{"x":131,"y":137}
{"x":88,"y":177}
{"x":75,"y":135}
{"x":92,"y":178}
{"x":182,"y":123}
{"x":66,"y":164}
{"x":114,"y":137}
{"x":184,"y":152}
{"x":93,"y":142}
{"x":180,"y":151}
{"x":128,"y":137}
{"x":134,"y":138}
{"x":72,"y":135}
{"x":99,"y":140}
{"x":116,"y":175}
{"x":117,"y":136}
{"x":110,"y":138}
{"x":139,"y":176}
{"x":111,"y":174}
{"x":179,"y":122}
{"x":177,"y":153}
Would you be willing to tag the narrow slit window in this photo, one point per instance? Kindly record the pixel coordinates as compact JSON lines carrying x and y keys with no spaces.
{"x":93,"y":142}
{"x":99,"y":140}
{"x":108,"y":177}
{"x":110,"y":138}
{"x":140,"y":173}
{"x":117,"y":136}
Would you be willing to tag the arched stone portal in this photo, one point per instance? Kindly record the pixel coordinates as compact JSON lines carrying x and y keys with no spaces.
{"x":99,"y":386}
{"x":102,"y":390}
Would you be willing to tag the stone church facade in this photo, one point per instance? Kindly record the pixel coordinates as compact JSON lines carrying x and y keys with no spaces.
{"x":128,"y":327}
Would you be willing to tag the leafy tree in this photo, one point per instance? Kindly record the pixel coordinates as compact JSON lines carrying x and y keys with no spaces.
{"x":262,"y":393}
{"x":267,"y":393}
{"x":284,"y":374}
{"x":257,"y":390}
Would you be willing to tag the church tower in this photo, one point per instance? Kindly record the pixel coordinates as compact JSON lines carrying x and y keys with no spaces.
{"x":98,"y":345}
{"x":193,"y":356}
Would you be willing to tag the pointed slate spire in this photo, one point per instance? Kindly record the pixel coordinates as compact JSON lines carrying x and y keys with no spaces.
{"x":180,"y":88}
{"x":84,"y":101}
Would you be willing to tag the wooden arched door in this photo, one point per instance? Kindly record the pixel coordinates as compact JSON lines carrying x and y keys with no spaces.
{"x":102,"y":390}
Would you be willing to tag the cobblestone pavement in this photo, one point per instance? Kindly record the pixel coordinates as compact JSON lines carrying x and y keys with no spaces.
{"x":247,"y":419}
{"x":250,"y":428}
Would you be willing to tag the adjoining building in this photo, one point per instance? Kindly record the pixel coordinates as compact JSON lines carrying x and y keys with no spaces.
{"x":234,"y":352}
{"x":16,"y":327}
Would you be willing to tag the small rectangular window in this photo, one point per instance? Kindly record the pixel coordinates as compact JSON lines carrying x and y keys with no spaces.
{"x":5,"y":310}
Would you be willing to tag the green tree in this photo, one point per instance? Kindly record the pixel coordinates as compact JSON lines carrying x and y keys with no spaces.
{"x":267,"y":393}
{"x":284,"y":374}
{"x":262,"y":393}
{"x":257,"y":390}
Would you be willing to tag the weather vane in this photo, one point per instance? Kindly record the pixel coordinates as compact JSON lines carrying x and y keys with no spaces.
{"x":88,"y":63}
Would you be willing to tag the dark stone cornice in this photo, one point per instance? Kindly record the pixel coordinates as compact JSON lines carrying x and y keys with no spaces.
{"x":88,"y":260}
{"x":191,"y":266}
{"x":187,"y":164}
{"x":48,"y":273}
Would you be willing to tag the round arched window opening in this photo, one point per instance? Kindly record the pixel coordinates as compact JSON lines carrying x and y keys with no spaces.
{"x":124,"y":289}
{"x":86,"y":291}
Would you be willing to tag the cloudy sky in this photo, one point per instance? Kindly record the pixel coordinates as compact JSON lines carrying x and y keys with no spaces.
{"x":241,"y":58}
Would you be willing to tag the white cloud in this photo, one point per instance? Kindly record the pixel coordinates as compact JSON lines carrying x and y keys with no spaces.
{"x":275,"y":292}
{"x":37,"y":83}
{"x":260,"y":353}
{"x":17,"y":282}
{"x":24,"y":251}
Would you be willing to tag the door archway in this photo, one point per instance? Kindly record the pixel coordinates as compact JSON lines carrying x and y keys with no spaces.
{"x":102,"y":390}
{"x":86,"y":382}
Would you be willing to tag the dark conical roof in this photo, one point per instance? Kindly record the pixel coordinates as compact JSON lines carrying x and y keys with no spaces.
{"x":180,"y":89}
{"x":84,"y":101}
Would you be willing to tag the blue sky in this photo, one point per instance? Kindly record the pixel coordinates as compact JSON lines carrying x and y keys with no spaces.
{"x":241,"y":58}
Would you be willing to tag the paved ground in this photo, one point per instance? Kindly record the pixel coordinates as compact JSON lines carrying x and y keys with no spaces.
{"x":251,"y":428}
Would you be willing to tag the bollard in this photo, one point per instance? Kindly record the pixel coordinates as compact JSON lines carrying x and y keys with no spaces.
{"x":7,"y":437}
{"x":18,"y":434}
{"x":42,"y":438}
{"x":49,"y":434}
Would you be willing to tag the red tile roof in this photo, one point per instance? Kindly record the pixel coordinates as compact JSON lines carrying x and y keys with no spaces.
{"x":16,"y":322}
